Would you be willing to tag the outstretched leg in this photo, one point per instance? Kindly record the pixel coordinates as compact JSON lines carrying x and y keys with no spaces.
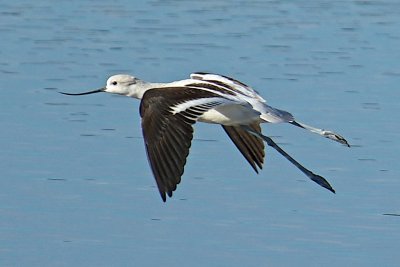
{"x":316,"y":178}
{"x":328,"y":134}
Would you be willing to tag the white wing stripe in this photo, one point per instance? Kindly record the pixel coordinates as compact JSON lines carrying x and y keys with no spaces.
{"x":207,"y":102}
{"x":228,"y":84}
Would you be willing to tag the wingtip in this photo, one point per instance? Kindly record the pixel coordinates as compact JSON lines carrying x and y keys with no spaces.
{"x":163,"y":197}
{"x":329,"y":187}
{"x":322,"y":182}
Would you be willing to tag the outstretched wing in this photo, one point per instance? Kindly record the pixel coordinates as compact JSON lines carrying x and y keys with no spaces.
{"x":251,"y":147}
{"x":168,"y":115}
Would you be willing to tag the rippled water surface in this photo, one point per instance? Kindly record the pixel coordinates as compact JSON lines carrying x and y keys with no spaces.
{"x":75,"y":186}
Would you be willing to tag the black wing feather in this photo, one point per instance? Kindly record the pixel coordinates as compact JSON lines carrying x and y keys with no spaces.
{"x":251,"y":147}
{"x":167,"y":135}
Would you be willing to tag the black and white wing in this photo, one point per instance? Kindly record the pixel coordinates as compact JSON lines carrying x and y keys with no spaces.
{"x":168,"y":115}
{"x":251,"y":147}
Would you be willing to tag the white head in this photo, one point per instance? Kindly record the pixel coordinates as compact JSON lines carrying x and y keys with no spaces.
{"x":121,"y":84}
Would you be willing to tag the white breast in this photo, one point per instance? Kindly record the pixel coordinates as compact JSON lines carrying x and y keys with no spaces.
{"x":230,"y":115}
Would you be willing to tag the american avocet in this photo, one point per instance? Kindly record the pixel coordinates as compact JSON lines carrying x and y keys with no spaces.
{"x":169,"y":111}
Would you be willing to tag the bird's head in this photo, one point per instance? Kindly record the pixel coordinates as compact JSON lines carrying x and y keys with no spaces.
{"x":121,"y":84}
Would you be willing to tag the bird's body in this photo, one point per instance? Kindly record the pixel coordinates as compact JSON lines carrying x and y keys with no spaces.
{"x":169,"y":111}
{"x":240,"y":104}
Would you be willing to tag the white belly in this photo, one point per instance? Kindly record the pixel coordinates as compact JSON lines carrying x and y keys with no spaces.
{"x":230,"y":115}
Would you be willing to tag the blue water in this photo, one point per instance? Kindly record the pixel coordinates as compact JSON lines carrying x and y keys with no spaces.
{"x":75,"y":186}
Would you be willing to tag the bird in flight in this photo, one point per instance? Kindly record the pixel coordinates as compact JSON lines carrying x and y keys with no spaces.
{"x":170,"y":110}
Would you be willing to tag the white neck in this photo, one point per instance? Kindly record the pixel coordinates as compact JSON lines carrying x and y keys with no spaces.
{"x":137,"y":90}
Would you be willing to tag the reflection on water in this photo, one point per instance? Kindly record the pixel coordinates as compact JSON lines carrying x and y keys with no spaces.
{"x":76,"y":189}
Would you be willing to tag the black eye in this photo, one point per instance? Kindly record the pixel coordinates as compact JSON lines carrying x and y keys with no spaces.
{"x":114,"y":83}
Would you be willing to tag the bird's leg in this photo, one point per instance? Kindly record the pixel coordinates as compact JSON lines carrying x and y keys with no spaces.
{"x":316,"y":178}
{"x":325,"y":133}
